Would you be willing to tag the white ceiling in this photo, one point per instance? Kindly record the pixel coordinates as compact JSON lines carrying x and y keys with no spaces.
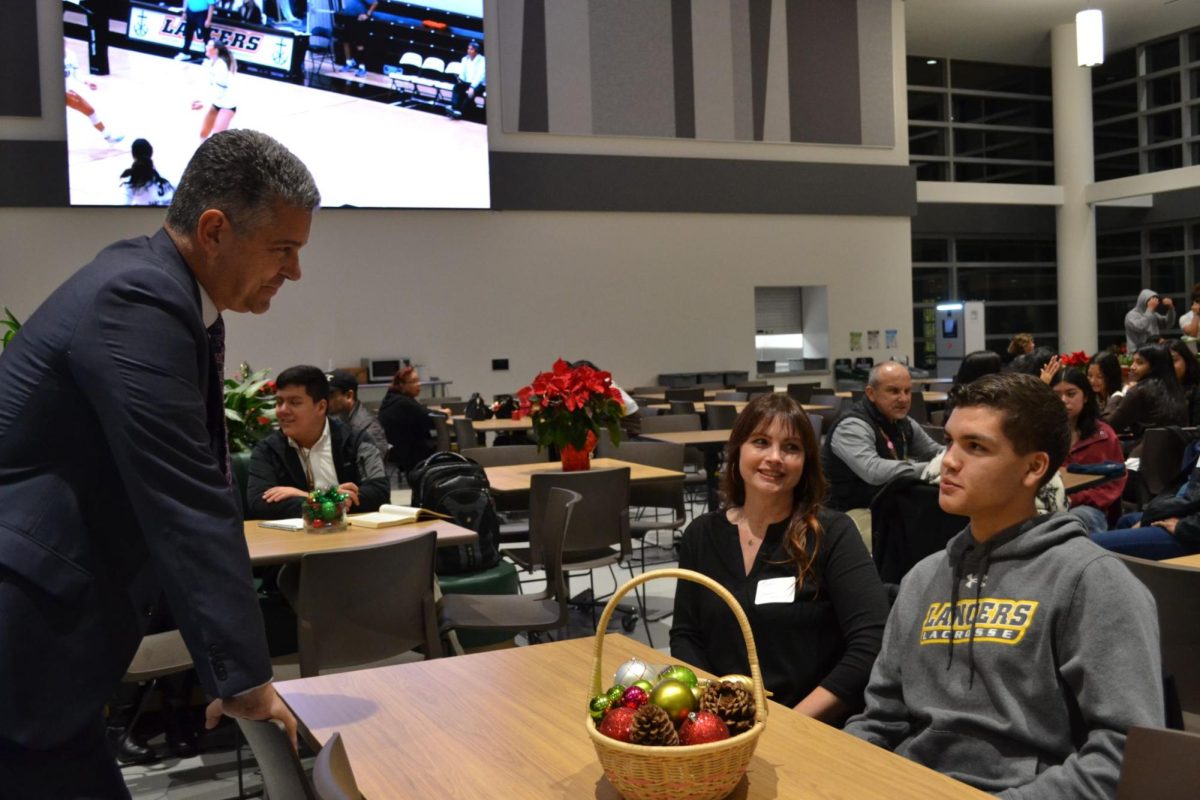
{"x":1018,"y":31}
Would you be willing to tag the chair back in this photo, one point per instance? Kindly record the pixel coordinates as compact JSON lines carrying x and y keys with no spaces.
{"x":818,"y":424}
{"x":720,"y":415}
{"x":355,"y":606}
{"x":653,"y":494}
{"x":283,"y":774}
{"x":1162,"y":456}
{"x":1175,"y":589}
{"x":857,"y":394}
{"x":332,"y":777}
{"x":907,"y":524}
{"x":802,"y":392}
{"x":938,"y":434}
{"x":441,"y":433}
{"x":411,"y":62}
{"x":464,"y":432}
{"x":730,"y":397}
{"x":601,"y":517}
{"x":696,"y":394}
{"x":752,"y":389}
{"x":671,"y":423}
{"x":835,"y":406}
{"x":1160,"y":764}
{"x":648,"y":390}
{"x":158,"y":654}
{"x":552,"y":536}
{"x":506,"y":456}
{"x":918,"y":412}
{"x":683,"y":406}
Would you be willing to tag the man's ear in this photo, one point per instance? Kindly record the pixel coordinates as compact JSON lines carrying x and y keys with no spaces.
{"x":211,"y":229}
{"x":1036,"y":465}
{"x":323,"y":406}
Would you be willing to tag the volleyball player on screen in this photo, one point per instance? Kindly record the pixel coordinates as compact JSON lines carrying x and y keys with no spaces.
{"x":77,"y":101}
{"x":222,"y":66}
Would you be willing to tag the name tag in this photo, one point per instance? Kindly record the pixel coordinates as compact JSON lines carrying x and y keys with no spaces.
{"x":775,"y":590}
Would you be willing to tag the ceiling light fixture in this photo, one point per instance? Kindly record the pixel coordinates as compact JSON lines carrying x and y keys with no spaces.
{"x":1089,"y":37}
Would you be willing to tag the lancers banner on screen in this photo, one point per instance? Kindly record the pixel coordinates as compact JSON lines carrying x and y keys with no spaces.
{"x":256,"y":47}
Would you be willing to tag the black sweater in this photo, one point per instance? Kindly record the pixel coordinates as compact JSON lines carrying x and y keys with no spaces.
{"x":828,"y":636}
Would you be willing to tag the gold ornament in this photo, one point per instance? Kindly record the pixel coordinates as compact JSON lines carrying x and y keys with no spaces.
{"x":674,"y":697}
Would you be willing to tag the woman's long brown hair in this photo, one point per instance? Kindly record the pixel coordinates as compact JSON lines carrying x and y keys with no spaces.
{"x":809,"y":492}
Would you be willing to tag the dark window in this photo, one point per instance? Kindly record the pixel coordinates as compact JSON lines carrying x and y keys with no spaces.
{"x":1005,"y":250}
{"x":931,"y":285}
{"x":922,"y":73}
{"x":1116,"y":67}
{"x":1162,"y":55}
{"x":1115,"y":245}
{"x":930,"y":250}
{"x":1002,"y":173}
{"x":1194,"y":46}
{"x":926,"y":141}
{"x":1115,"y":102}
{"x":1165,"y":240}
{"x":1196,"y":153}
{"x":999,"y":78}
{"x":1119,"y":279}
{"x":1164,"y":126}
{"x":1118,"y":167}
{"x":1007,"y":283}
{"x":927,"y":106}
{"x":932,"y":170}
{"x":1162,"y":91}
{"x":1164,"y":158}
{"x":1002,"y":111}
{"x":1013,"y":319}
{"x":1113,"y":136}
{"x":1110,"y":315}
{"x":1003,"y":144}
{"x":1167,"y":275}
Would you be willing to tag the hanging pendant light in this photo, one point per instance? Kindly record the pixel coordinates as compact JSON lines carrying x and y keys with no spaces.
{"x":1089,"y":37}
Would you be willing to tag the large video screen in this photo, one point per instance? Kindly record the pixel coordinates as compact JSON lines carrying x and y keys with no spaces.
{"x":385,"y":102}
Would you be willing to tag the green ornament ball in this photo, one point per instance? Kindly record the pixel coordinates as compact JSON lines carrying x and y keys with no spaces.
{"x":644,"y":684}
{"x":329,"y":510}
{"x":674,"y":697}
{"x":598,"y":706}
{"x":678,"y":672}
{"x":614,"y":694}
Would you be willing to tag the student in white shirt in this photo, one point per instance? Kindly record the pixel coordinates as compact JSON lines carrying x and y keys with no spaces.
{"x":222,"y":105}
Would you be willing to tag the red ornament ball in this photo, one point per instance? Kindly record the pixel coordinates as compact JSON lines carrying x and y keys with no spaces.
{"x":701,"y":727}
{"x":618,"y":724}
{"x":635,"y":697}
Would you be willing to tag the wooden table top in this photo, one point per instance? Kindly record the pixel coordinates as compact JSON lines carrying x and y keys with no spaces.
{"x":484,"y":425}
{"x":272,"y":546}
{"x":717,"y":436}
{"x":511,"y":723}
{"x":1185,"y":561}
{"x":930,"y":397}
{"x":515,"y":478}
{"x":1074,"y":481}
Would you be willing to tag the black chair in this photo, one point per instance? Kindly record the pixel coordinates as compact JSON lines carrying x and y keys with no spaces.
{"x":720,"y":415}
{"x":918,"y":412}
{"x":464,"y":432}
{"x":696,"y":395}
{"x":802,"y":392}
{"x":938,"y":434}
{"x":907,"y":524}
{"x":683,"y":406}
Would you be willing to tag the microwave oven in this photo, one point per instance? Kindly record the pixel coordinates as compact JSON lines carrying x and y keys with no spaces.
{"x":382,"y":370}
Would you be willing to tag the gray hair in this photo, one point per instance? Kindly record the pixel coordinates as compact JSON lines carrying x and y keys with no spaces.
{"x":877,"y":370}
{"x":244,"y":174}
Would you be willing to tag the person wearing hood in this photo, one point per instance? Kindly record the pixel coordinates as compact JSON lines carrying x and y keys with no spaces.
{"x":1016,"y":659}
{"x":1145,"y":323}
{"x":874,"y":441}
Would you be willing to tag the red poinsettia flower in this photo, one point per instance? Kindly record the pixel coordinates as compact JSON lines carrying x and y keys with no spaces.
{"x":567,"y":403}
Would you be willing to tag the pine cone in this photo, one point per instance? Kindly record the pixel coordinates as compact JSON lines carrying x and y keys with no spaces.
{"x":732,"y":702}
{"x":652,"y":725}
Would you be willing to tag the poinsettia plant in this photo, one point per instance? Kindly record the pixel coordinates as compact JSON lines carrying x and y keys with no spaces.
{"x":1123,"y":355}
{"x":249,"y":408}
{"x":568,"y":403}
{"x":1076,"y":359}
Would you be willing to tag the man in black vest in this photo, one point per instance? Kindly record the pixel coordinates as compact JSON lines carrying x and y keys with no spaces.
{"x":874,"y":441}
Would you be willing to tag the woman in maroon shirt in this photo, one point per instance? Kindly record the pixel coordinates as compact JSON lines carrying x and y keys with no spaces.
{"x":1092,"y":441}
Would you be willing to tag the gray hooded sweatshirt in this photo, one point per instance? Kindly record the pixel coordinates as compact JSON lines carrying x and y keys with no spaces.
{"x":1017,"y":665}
{"x":1145,"y":327}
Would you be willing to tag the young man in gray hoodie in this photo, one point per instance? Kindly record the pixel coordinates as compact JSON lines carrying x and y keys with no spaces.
{"x":1016,"y":660}
{"x":1145,"y":323}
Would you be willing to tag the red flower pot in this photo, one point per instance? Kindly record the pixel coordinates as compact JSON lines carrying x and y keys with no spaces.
{"x":578,"y":460}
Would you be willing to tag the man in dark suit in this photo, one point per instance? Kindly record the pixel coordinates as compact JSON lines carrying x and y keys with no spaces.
{"x":114,"y":469}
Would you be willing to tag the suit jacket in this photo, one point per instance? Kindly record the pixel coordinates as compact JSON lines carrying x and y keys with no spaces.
{"x":111,"y":495}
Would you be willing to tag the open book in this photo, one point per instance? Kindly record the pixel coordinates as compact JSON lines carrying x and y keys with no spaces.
{"x":389,"y":515}
{"x":296,"y":524}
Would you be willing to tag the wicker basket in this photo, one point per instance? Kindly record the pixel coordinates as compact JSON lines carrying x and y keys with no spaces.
{"x":696,"y":772}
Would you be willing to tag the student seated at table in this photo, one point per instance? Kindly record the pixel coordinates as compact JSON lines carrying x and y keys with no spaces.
{"x":1016,"y":659}
{"x":1104,"y":374}
{"x":800,"y":572}
{"x":344,"y":405}
{"x":1152,"y":399}
{"x":311,"y":451}
{"x":1092,"y":441}
{"x":873,"y":442}
{"x":1168,"y":527}
{"x":407,"y":423}
{"x":1187,"y":372}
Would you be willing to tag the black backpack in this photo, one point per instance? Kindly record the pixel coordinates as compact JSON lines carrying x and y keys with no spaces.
{"x":476,"y":409}
{"x":455,"y":485}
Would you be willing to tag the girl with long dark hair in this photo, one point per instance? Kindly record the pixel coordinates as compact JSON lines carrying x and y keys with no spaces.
{"x":1104,"y":374}
{"x":1092,"y":441}
{"x":1152,"y":400}
{"x":142,"y":184}
{"x":802,"y":573}
{"x":1187,"y":372}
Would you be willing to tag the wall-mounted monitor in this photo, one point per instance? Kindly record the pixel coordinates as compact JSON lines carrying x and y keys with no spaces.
{"x":387,"y":110}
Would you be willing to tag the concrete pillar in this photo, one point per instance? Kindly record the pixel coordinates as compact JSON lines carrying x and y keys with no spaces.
{"x":1074,"y":169}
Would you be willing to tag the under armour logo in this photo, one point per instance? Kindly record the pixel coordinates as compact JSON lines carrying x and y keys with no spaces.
{"x":973,"y":579}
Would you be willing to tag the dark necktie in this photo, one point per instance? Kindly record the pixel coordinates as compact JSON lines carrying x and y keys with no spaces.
{"x":218,"y":430}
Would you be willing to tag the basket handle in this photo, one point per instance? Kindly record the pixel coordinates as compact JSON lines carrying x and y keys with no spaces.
{"x":760,"y":701}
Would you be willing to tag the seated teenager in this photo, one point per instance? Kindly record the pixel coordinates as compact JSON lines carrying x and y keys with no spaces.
{"x":1104,"y":374}
{"x":1187,"y":372}
{"x":311,"y":451}
{"x":1168,"y":527}
{"x":802,"y":574}
{"x":1152,"y":399}
{"x":1092,"y":442}
{"x":1016,"y":659}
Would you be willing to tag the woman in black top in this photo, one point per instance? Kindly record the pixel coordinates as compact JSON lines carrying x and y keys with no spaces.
{"x":406,"y":423}
{"x":801,"y":573}
{"x":1154,"y":398}
{"x":1187,"y":372}
{"x":1104,"y":374}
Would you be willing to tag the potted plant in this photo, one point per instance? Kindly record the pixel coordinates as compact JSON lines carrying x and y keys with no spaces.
{"x":569,"y":406}
{"x":249,"y":408}
{"x":11,"y":325}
